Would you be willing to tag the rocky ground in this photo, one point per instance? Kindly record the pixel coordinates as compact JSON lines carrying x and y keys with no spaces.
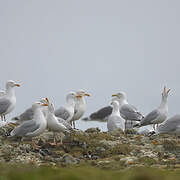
{"x":105,"y":150}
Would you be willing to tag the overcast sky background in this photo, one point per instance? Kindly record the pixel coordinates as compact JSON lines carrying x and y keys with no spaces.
{"x":103,"y":46}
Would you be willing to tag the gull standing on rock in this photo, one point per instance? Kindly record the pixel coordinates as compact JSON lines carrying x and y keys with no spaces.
{"x":8,"y":100}
{"x":29,"y":113}
{"x":66,"y":112}
{"x":33,"y":127}
{"x":80,"y":106}
{"x":158,"y":115}
{"x":53,"y":123}
{"x":115,"y":120}
{"x":62,"y":121}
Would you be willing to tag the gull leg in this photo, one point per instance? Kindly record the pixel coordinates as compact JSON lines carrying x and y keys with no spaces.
{"x":154,"y":127}
{"x":4,"y":118}
{"x":20,"y":139}
{"x":131,"y":124}
{"x":124,"y":134}
{"x":1,"y":117}
{"x":74,"y":124}
{"x":61,"y":140}
{"x":35,"y":146}
{"x":54,"y":143}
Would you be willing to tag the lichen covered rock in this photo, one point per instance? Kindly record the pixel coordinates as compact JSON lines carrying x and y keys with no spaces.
{"x":113,"y":150}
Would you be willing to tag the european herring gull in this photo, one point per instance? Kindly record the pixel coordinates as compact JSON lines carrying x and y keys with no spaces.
{"x":53,"y":123}
{"x":66,"y":112}
{"x":169,"y":126}
{"x":80,"y":106}
{"x":33,"y":127}
{"x":62,"y":121}
{"x":8,"y":100}
{"x":115,"y":120}
{"x":158,"y":115}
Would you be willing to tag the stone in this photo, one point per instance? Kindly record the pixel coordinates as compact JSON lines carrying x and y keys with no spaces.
{"x":93,"y":130}
{"x":68,"y":159}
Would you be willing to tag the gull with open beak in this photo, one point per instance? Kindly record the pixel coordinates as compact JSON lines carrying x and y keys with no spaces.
{"x":8,"y":100}
{"x":34,"y":127}
{"x":158,"y":115}
{"x":56,"y":124}
{"x":80,"y":105}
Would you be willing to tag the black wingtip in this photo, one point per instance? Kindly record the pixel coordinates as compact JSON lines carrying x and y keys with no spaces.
{"x":85,"y":119}
{"x":136,"y":125}
{"x":15,"y":118}
{"x":151,"y":133}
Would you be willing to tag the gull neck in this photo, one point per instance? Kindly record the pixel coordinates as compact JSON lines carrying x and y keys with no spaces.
{"x":10,"y":91}
{"x":163,"y":102}
{"x":115,"y":110}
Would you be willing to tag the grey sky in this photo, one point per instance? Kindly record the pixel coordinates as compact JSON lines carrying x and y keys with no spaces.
{"x":104,"y":46}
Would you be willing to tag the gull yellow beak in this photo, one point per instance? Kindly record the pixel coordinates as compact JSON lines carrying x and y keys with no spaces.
{"x":86,"y":94}
{"x":18,"y":85}
{"x":78,"y":96}
{"x":164,"y":90}
{"x":44,"y":104}
{"x":113,"y":95}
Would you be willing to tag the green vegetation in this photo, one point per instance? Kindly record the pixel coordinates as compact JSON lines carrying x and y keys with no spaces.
{"x":88,"y":173}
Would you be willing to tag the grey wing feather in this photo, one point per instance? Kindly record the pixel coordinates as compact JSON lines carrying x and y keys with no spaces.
{"x":62,"y":113}
{"x":24,"y":128}
{"x":150,"y":117}
{"x":65,"y":123}
{"x":129,"y":112}
{"x":102,"y":113}
{"x":169,"y":125}
{"x":27,"y":115}
{"x":4,"y":105}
